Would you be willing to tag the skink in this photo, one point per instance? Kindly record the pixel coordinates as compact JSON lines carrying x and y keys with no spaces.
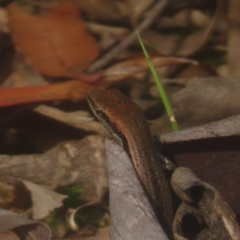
{"x":129,"y":128}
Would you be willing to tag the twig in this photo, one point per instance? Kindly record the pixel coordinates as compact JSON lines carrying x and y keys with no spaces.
{"x":150,"y":16}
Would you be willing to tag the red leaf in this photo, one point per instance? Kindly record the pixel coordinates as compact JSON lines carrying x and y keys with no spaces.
{"x":71,"y":90}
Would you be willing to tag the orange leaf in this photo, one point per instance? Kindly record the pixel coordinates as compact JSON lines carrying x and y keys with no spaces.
{"x":55,"y":42}
{"x":71,"y":90}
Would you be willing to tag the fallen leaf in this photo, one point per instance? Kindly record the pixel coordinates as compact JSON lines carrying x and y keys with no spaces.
{"x":202,"y":100}
{"x":212,"y":152}
{"x":54,"y":42}
{"x":68,"y":163}
{"x":176,"y":45}
{"x":200,"y":70}
{"x":138,"y":9}
{"x":125,"y":69}
{"x":98,"y":217}
{"x":43,"y":199}
{"x":79,"y":119}
{"x":128,"y":201}
{"x":72,"y":90}
{"x":233,"y":49}
{"x":76,"y":89}
{"x":22,"y":75}
{"x":201,"y":201}
{"x":23,"y":227}
{"x":108,"y":11}
{"x":9,"y":235}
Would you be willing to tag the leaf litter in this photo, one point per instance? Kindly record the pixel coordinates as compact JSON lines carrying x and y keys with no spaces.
{"x":57,"y":65}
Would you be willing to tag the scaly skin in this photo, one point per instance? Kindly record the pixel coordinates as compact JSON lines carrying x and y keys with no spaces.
{"x":128,"y":126}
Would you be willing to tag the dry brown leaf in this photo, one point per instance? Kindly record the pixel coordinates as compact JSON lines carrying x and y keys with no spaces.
{"x":22,"y":75}
{"x":138,"y":8}
{"x":199,"y":70}
{"x":23,"y":227}
{"x":202,"y":100}
{"x":125,"y":69}
{"x":163,"y":44}
{"x":108,"y":11}
{"x":55,"y":42}
{"x":204,"y":203}
{"x":78,"y":119}
{"x":68,"y":163}
{"x":9,"y":235}
{"x":233,"y":38}
{"x":176,"y":45}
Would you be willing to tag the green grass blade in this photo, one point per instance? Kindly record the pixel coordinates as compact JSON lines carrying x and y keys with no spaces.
{"x":161,"y":90}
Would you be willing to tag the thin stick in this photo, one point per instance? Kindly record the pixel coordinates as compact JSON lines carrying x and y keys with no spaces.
{"x":150,"y":16}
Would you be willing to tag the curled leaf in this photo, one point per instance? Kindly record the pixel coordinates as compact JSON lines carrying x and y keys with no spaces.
{"x":214,"y":219}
